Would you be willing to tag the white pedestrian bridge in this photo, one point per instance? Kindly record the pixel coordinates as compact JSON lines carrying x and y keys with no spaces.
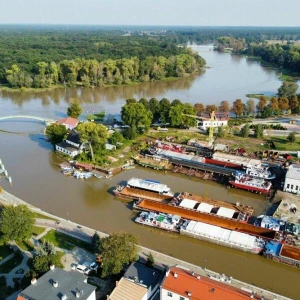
{"x":42,"y":119}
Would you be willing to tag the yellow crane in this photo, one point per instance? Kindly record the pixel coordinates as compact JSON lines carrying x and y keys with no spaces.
{"x":211,"y":128}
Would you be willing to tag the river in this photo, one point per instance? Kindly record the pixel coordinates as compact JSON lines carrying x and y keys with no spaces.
{"x":37,"y":180}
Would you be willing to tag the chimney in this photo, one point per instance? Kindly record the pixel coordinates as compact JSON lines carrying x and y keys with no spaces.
{"x":55,"y":284}
{"x":64,"y":297}
{"x":33,"y":281}
{"x":52,"y":267}
{"x":189,"y":294}
{"x":78,"y":294}
{"x":175,"y":275}
{"x":252,"y":295}
{"x":193,"y":273}
{"x":167,"y":272}
{"x":198,"y":277}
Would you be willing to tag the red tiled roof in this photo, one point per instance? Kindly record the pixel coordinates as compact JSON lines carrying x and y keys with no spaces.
{"x":20,"y":298}
{"x":69,"y":121}
{"x":203,"y":288}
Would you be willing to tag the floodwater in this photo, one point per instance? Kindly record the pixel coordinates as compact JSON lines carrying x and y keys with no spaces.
{"x":37,"y":180}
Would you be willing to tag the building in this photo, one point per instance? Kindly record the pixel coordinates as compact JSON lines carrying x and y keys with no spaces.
{"x":61,"y":285}
{"x":204,"y":120}
{"x":138,"y":283}
{"x":110,"y":147}
{"x":182,"y":284}
{"x":72,"y":145}
{"x":69,"y":122}
{"x":292,"y":179}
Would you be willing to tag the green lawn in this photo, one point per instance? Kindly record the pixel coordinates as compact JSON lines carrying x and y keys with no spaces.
{"x":41,"y":216}
{"x":282,"y":144}
{"x":37,"y":230}
{"x":5,"y":251}
{"x":11,"y":263}
{"x":97,"y":117}
{"x":25,"y":245}
{"x":65,"y":241}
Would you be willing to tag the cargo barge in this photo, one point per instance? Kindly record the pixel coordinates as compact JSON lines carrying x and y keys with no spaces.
{"x":155,"y":162}
{"x":137,"y":189}
{"x":198,"y":216}
{"x":282,"y":253}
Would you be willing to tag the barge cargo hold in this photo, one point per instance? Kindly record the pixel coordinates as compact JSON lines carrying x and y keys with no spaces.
{"x":188,"y":214}
{"x":153,"y":161}
{"x":283,"y":253}
{"x":224,"y":237}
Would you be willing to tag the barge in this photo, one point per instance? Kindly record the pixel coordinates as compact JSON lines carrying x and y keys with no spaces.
{"x":155,"y":162}
{"x":198,"y":216}
{"x":282,"y":253}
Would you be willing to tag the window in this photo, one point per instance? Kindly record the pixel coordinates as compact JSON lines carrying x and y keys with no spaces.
{"x":288,"y":186}
{"x":292,"y":186}
{"x":296,"y":187}
{"x":170,"y":294}
{"x":181,"y":298}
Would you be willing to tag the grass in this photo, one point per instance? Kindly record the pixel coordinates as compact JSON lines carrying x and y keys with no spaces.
{"x":37,"y":230}
{"x":5,"y":250}
{"x":42,"y":216}
{"x":97,"y":117}
{"x":65,"y":241}
{"x":25,"y":245}
{"x":11,"y":263}
{"x":282,"y":144}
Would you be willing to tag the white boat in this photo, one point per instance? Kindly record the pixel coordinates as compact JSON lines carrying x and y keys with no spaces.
{"x":149,"y":185}
{"x":260,"y":172}
{"x":82,"y":175}
{"x":98,"y":176}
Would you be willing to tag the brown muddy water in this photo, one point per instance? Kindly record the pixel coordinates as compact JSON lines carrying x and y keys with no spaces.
{"x":37,"y":178}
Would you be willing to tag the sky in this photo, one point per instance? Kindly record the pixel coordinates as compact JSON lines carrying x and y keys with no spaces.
{"x":152,"y":12}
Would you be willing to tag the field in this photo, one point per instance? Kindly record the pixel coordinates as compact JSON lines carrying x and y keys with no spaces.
{"x":11,"y":263}
{"x":97,"y":117}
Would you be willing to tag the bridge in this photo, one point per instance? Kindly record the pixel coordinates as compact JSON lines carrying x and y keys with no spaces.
{"x":45,"y":120}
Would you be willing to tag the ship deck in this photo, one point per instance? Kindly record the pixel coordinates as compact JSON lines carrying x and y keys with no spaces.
{"x":141,"y":194}
{"x":290,"y":252}
{"x":245,"y":209}
{"x":150,"y":161}
{"x":206,"y":218}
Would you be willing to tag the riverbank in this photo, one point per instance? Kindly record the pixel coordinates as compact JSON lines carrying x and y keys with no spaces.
{"x":85,"y":233}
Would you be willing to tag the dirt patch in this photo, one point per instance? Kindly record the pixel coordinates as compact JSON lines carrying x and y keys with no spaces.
{"x":112,"y":159}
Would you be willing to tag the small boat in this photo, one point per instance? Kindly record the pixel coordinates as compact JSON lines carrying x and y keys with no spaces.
{"x":98,"y":176}
{"x":260,"y":172}
{"x":67,"y":172}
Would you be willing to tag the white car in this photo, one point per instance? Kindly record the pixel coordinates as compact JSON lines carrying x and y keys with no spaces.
{"x":83,"y":269}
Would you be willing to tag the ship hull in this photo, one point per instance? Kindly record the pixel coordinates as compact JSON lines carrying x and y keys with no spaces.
{"x":249,"y":188}
{"x":223,"y":164}
{"x":156,"y":226}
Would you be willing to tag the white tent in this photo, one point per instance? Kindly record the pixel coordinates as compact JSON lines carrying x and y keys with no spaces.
{"x":205,"y":207}
{"x":225,"y":212}
{"x":187,"y":203}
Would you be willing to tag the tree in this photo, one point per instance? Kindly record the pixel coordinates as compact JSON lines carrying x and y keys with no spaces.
{"x":220,"y":132}
{"x":293,"y":104}
{"x":74,"y":109}
{"x":150,"y":261}
{"x":42,"y":263}
{"x":199,"y":107}
{"x":135,"y":114}
{"x":164,"y":108}
{"x":287,"y":89}
{"x":130,"y":133}
{"x":154,"y":108}
{"x":291,"y":137}
{"x":237,"y":107}
{"x":176,"y":102}
{"x":211,"y":108}
{"x":245,"y":131}
{"x":116,"y":137}
{"x":95,"y":135}
{"x":117,"y":250}
{"x":267,"y":112}
{"x":45,"y":248}
{"x":259,"y":131}
{"x":145,"y":102}
{"x":283,"y":103}
{"x":274,"y":104}
{"x":56,"y":133}
{"x":96,"y":242}
{"x":17,"y":223}
{"x":224,"y":106}
{"x":250,"y":106}
{"x":262,"y":103}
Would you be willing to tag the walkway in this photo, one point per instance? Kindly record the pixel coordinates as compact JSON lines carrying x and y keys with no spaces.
{"x":45,"y":120}
{"x":85,"y":233}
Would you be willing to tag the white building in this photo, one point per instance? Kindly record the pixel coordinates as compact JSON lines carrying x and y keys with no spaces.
{"x":72,"y":145}
{"x":204,"y":121}
{"x":59,"y":284}
{"x":292,"y":179}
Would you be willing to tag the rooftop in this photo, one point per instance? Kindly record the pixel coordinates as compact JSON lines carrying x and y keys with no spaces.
{"x":293,"y":172}
{"x":68,"y":121}
{"x":69,"y":283}
{"x":194,"y":287}
{"x":74,"y":137}
{"x":67,"y":146}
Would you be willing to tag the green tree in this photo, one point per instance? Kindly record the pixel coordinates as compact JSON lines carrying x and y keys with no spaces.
{"x":17,"y":223}
{"x":154,"y":108}
{"x":95,"y":135}
{"x":220,"y":132}
{"x":237,"y":107}
{"x":164,"y":108}
{"x":116,"y":137}
{"x":41,"y":264}
{"x":56,"y":133}
{"x":267,"y":112}
{"x":259,"y":131}
{"x":150,"y":261}
{"x":45,"y":248}
{"x":287,"y":89}
{"x":130,"y":133}
{"x":211,"y":108}
{"x":283,"y":103}
{"x":293,"y":104}
{"x":250,"y":106}
{"x":291,"y":137}
{"x":245,"y":131}
{"x":262,"y":103}
{"x":224,"y":106}
{"x":117,"y":250}
{"x":145,"y":102}
{"x":74,"y":109}
{"x":96,"y":242}
{"x":199,"y":107}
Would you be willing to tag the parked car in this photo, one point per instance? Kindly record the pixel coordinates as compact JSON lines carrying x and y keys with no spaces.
{"x":94,"y":266}
{"x":83,"y":269}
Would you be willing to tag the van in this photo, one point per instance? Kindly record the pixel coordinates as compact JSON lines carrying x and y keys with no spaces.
{"x":83,"y":269}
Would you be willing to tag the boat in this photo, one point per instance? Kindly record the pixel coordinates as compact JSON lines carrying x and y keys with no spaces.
{"x":155,"y":162}
{"x":150,"y":185}
{"x":98,"y":176}
{"x":222,"y":236}
{"x":67,"y":172}
{"x":260,"y":172}
{"x":82,"y":175}
{"x":282,"y":253}
{"x":159,"y":220}
{"x":249,"y":183}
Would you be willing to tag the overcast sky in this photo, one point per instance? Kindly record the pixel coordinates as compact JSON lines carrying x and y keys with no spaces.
{"x":152,"y":12}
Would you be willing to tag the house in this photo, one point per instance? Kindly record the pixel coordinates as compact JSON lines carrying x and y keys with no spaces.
{"x":182,"y":284}
{"x":204,"y":120}
{"x":110,"y":147}
{"x":61,"y":285}
{"x":292,"y":179}
{"x":138,"y":283}
{"x":69,"y":122}
{"x":72,"y":145}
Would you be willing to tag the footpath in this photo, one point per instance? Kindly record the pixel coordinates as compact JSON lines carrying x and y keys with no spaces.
{"x":162,"y":260}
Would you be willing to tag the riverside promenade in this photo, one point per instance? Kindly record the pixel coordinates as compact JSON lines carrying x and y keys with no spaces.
{"x":161,"y":260}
